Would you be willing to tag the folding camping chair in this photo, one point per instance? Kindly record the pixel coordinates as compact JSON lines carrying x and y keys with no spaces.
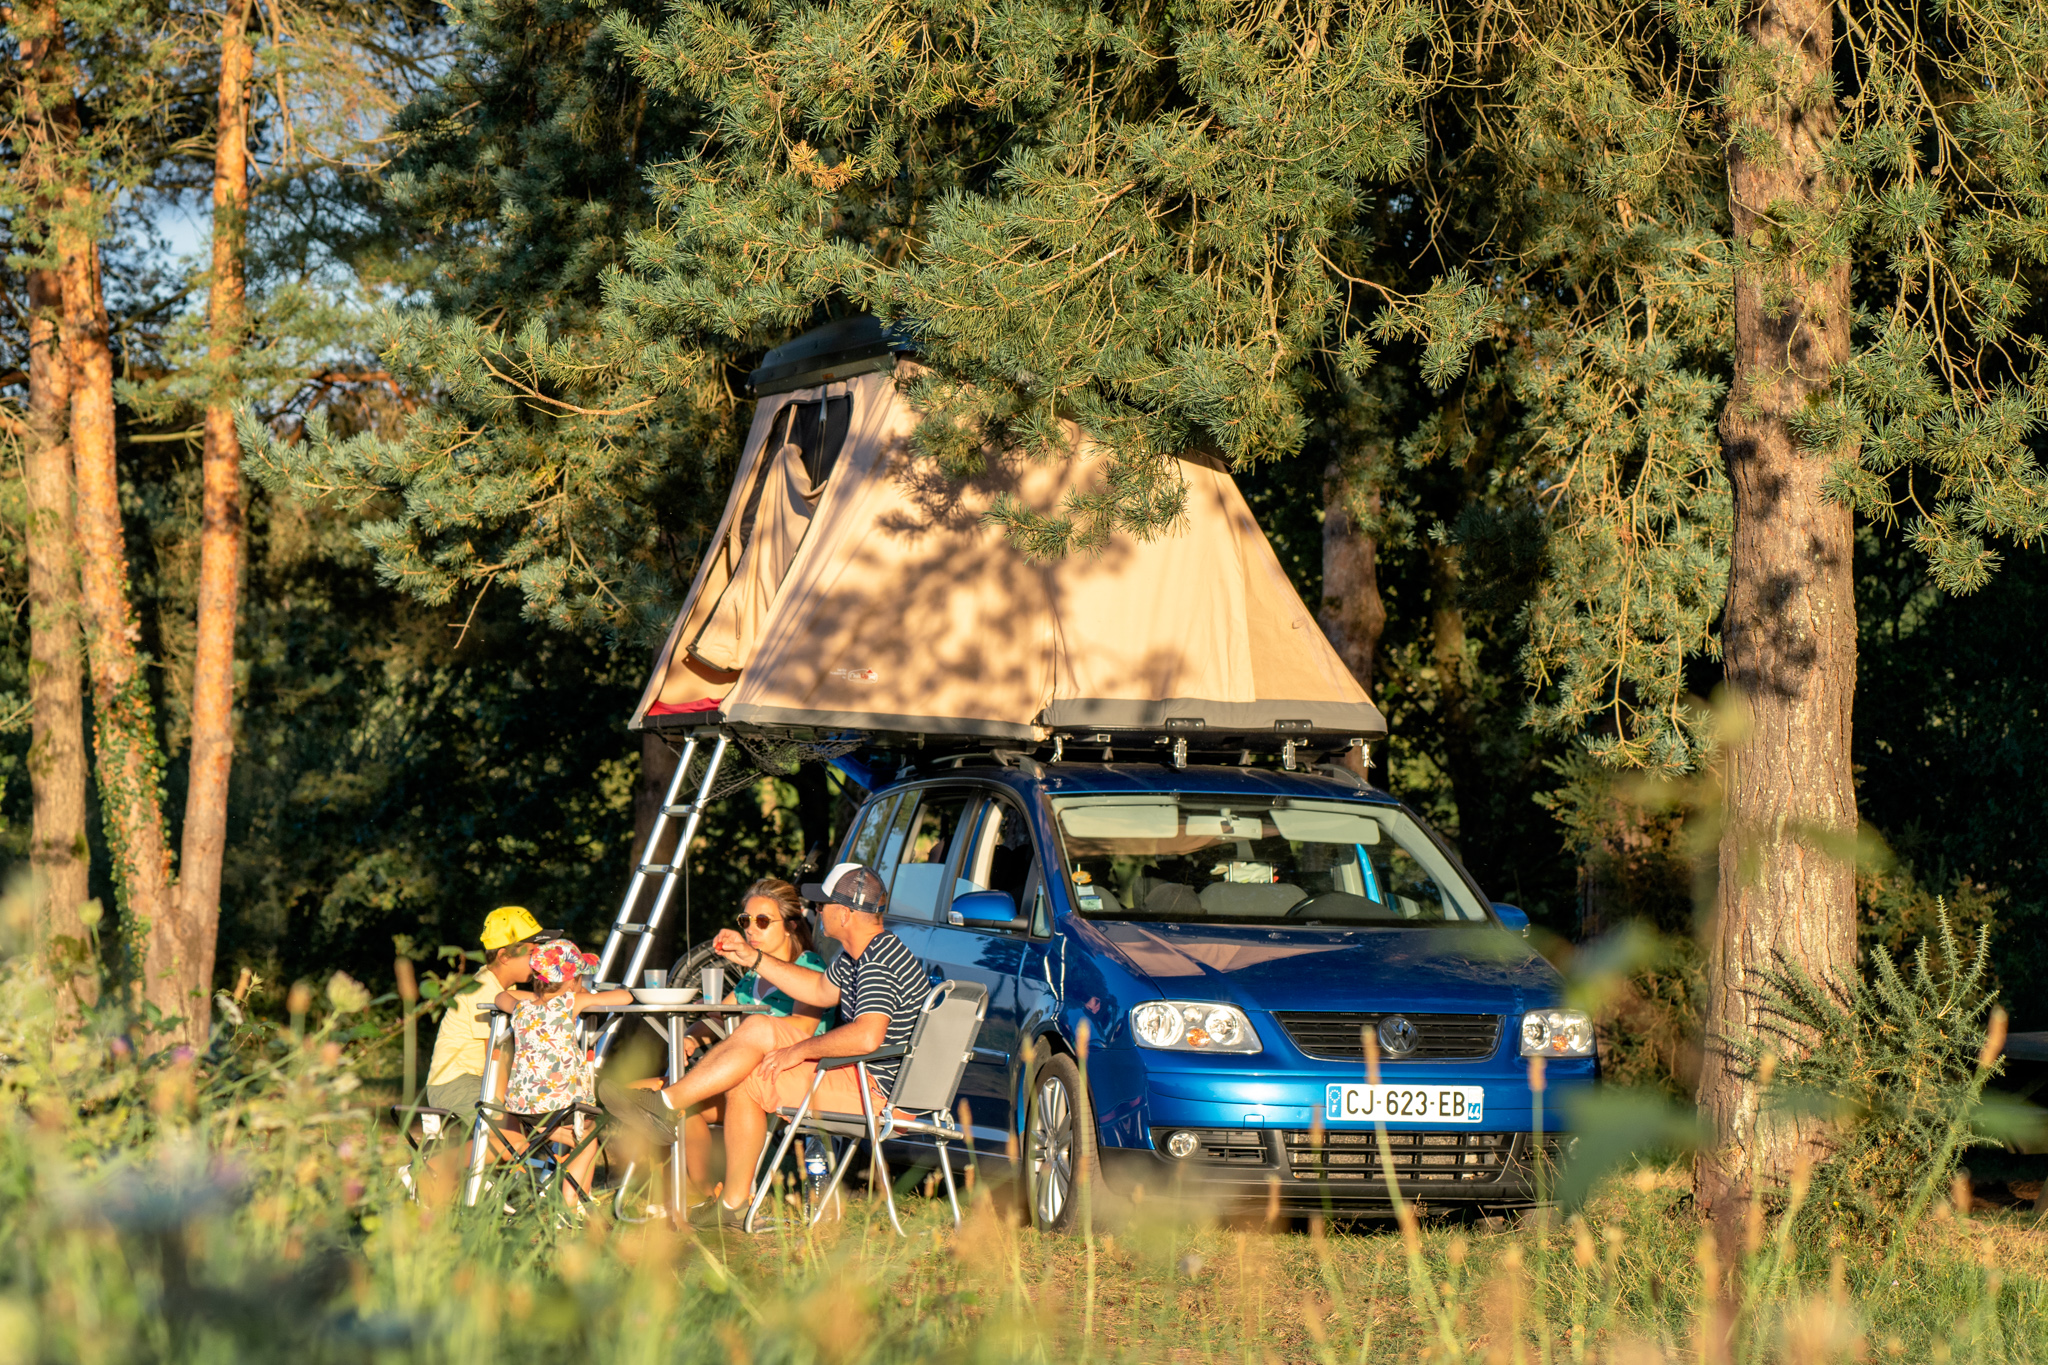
{"x":434,"y":1124}
{"x":534,"y":1157}
{"x":919,"y":1104}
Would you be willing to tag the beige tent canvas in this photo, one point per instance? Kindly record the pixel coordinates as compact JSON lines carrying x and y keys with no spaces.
{"x":852,"y":585}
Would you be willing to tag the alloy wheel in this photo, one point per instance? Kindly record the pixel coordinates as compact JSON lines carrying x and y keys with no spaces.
{"x":1052,"y":1150}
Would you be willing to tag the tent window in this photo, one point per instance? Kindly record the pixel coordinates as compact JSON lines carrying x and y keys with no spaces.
{"x":819,"y":431}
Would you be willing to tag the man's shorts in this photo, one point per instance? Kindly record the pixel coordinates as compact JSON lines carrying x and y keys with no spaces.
{"x":838,"y":1092}
{"x":459,"y":1097}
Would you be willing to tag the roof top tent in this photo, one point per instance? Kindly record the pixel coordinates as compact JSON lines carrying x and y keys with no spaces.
{"x":854,"y":591}
{"x":852,"y":586}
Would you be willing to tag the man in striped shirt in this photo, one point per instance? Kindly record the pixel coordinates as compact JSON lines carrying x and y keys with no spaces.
{"x":878,"y":986}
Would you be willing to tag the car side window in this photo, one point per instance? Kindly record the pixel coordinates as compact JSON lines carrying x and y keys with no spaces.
{"x":1002,"y":858}
{"x":893,"y":835}
{"x":867,"y":839}
{"x":929,"y":840}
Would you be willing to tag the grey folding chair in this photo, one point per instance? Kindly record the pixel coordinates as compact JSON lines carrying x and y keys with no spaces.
{"x":919,"y":1104}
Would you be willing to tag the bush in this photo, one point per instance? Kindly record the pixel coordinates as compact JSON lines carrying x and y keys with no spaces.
{"x":1891,"y":1063}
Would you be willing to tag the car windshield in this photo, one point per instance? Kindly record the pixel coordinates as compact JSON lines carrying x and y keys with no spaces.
{"x":1192,"y":858}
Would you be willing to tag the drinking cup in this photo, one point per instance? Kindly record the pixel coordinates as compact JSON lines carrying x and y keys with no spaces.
{"x":653,"y":981}
{"x":714,"y":985}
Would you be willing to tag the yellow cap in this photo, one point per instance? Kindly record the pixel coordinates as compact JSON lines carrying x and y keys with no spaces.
{"x":509,"y":924}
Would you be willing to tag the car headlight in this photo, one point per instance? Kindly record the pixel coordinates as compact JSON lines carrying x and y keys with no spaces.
{"x":1556,"y":1033}
{"x":1192,"y":1026}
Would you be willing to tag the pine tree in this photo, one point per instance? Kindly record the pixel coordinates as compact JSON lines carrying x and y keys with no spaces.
{"x":1125,"y":216}
{"x":1131,"y":217}
{"x":114,"y":102}
{"x":47,"y":131}
{"x":1770,"y":266}
{"x":563,"y":456}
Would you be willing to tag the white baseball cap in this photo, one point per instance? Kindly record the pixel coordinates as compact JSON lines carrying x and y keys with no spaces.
{"x":853,"y":885}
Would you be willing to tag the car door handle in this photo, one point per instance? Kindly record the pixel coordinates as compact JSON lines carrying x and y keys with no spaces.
{"x":995,"y":1056}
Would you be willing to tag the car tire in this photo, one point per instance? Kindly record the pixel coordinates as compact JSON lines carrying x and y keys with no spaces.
{"x":1062,"y":1172}
{"x":689,"y":968}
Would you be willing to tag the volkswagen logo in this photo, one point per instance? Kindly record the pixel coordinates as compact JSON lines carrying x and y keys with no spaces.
{"x":1397,"y":1036}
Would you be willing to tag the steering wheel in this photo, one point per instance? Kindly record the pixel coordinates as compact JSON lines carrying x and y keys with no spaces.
{"x":1294,"y":910}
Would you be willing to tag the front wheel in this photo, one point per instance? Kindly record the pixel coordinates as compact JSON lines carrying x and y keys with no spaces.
{"x":689,"y":968}
{"x":1061,"y":1172}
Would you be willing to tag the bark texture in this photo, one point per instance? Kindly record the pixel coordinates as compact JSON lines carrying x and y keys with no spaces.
{"x":220,"y":540}
{"x":1353,"y":614}
{"x":56,"y":756}
{"x":1786,"y":883}
{"x":124,"y":714}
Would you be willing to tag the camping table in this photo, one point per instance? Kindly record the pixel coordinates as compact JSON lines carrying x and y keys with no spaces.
{"x":672,"y":1031}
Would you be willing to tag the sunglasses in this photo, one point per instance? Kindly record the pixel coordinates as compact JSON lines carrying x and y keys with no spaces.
{"x":760,"y":921}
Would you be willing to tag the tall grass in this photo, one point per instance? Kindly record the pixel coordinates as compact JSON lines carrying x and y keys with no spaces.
{"x":245,"y":1206}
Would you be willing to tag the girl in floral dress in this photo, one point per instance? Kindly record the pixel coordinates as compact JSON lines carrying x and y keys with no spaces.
{"x":550,"y":1068}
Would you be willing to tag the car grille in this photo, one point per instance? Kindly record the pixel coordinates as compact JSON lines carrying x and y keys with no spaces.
{"x":1438,"y":1037}
{"x":1452,"y":1157}
{"x":1227,"y":1146}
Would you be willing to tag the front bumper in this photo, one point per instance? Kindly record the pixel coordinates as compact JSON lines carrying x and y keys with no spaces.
{"x":1260,"y":1127}
{"x":1312,"y":1170}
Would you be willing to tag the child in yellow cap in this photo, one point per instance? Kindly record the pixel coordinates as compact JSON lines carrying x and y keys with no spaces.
{"x":455,"y":1075}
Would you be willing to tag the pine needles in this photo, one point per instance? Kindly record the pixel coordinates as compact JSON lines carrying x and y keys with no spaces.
{"x":1894,"y":1065}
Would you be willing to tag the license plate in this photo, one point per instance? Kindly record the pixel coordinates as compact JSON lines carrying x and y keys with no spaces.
{"x":1404,"y":1103}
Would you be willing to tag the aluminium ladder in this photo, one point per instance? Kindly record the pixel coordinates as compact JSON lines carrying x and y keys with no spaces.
{"x":642,"y":931}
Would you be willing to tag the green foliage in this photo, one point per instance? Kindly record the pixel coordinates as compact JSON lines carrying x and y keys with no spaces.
{"x":1948,"y":736}
{"x":1897,"y":912}
{"x":1891,"y":1062}
{"x":1131,"y":218}
{"x":1596,"y":185}
{"x":1135,"y":220}
{"x":244,"y":1205}
{"x":562,"y":452}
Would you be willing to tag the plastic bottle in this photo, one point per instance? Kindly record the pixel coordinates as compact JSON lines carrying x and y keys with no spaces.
{"x":817,"y":1168}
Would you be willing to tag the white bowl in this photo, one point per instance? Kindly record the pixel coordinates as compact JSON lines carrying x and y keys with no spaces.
{"x":664,"y":995}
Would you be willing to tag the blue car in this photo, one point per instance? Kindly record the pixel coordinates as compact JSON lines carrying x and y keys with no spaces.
{"x":1184,"y":966}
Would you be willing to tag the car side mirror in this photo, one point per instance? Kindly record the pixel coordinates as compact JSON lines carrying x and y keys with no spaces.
{"x":1512,"y":918}
{"x":989,"y":909}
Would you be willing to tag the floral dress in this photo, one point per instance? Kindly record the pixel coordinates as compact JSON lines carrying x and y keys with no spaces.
{"x":550,"y":1069}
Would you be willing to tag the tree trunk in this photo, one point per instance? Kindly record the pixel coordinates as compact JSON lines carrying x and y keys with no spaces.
{"x":814,"y":817}
{"x":1353,"y":614}
{"x":124,"y":716}
{"x":1463,"y":763}
{"x":657,"y":770}
{"x":220,"y":540}
{"x":1787,"y":882}
{"x":56,"y":756}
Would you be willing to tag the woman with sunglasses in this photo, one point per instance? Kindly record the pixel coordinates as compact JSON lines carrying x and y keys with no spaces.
{"x":771,"y":924}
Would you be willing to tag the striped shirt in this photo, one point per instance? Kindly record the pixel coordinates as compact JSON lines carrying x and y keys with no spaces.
{"x":886,"y":979}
